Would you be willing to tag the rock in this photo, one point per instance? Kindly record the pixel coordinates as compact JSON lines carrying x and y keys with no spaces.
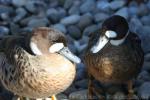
{"x":133,"y":11}
{"x":123,"y":12}
{"x":100,"y":17}
{"x":84,"y":40}
{"x":148,"y":5}
{"x":5,"y":2}
{"x":144,"y":90}
{"x":15,"y":29}
{"x":60,"y":27}
{"x":90,"y":29}
{"x":88,"y":6}
{"x":26,"y":20}
{"x":114,"y":5}
{"x":82,"y":84}
{"x":143,"y":77}
{"x":74,"y":10}
{"x":81,"y":74}
{"x":146,"y":20}
{"x":70,"y":90}
{"x":143,"y":10}
{"x":72,"y":48}
{"x":3,"y":31}
{"x":119,"y":96}
{"x":35,"y":6}
{"x":74,"y":32}
{"x":147,"y":57}
{"x":103,"y":6}
{"x":85,"y":21}
{"x":61,"y":13}
{"x":145,"y":36}
{"x":61,"y":96}
{"x":79,"y":47}
{"x":19,"y":3}
{"x":73,"y":19}
{"x":39,"y":22}
{"x":21,"y":12}
{"x":135,"y":25}
{"x":53,"y":15}
{"x":68,"y":4}
{"x":5,"y":9}
{"x":78,"y":95}
{"x":146,"y":66}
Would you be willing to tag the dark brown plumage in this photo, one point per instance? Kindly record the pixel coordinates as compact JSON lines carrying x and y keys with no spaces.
{"x":114,"y":63}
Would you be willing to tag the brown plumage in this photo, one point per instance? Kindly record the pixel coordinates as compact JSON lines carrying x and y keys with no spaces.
{"x":115,"y":64}
{"x":35,"y":76}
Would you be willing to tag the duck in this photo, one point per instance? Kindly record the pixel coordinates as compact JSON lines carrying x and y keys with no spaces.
{"x":114,"y":55}
{"x":37,"y":65}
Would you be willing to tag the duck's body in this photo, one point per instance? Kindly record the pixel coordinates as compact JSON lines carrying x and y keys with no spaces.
{"x":34,"y":75}
{"x":116,"y":64}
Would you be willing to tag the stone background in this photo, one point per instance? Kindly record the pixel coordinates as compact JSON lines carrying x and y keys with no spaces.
{"x":77,"y":19}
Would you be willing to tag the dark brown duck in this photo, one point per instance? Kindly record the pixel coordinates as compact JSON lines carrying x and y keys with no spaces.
{"x":114,"y":54}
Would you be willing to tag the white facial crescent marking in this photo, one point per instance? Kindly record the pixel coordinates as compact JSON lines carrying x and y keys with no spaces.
{"x":35,"y":49}
{"x":100,"y":44}
{"x":56,"y":47}
{"x":111,"y":34}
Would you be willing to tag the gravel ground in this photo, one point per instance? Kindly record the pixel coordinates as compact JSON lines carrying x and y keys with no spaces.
{"x":77,"y":19}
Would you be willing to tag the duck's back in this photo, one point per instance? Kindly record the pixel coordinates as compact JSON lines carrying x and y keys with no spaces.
{"x":116,"y":64}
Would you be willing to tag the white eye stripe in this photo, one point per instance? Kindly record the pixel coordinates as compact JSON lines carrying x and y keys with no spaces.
{"x":35,"y":49}
{"x":111,"y":34}
{"x":56,"y":47}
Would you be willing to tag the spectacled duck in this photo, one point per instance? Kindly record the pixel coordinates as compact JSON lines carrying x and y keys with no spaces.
{"x":38,"y":65}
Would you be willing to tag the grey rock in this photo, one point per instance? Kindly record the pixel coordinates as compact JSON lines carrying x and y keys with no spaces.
{"x":119,"y":96}
{"x":100,"y":17}
{"x":143,"y":10}
{"x":74,"y":32}
{"x":70,"y":89}
{"x":146,"y":65}
{"x":135,"y":24}
{"x":123,"y":12}
{"x":15,"y":29}
{"x":68,"y":4}
{"x":3,"y":31}
{"x":39,"y":22}
{"x":103,"y":5}
{"x":61,"y":13}
{"x":84,"y":40}
{"x":21,"y":12}
{"x":26,"y":20}
{"x":60,"y":27}
{"x":145,"y":36}
{"x":78,"y":95}
{"x":5,"y":9}
{"x":74,"y":10}
{"x":61,"y":96}
{"x":143,"y":77}
{"x":5,"y":2}
{"x":146,"y":20}
{"x":73,"y":19}
{"x":90,"y":29}
{"x":144,"y":90}
{"x":147,"y":57}
{"x":81,"y":74}
{"x":133,"y":11}
{"x":72,"y":48}
{"x":114,"y":5}
{"x":85,"y":21}
{"x":83,"y":84}
{"x":19,"y":2}
{"x":53,"y":15}
{"x":148,"y":5}
{"x":35,"y":6}
{"x":88,"y":6}
{"x":79,"y":47}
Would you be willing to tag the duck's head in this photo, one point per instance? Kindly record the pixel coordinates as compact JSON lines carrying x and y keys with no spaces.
{"x":114,"y":30}
{"x":47,"y":40}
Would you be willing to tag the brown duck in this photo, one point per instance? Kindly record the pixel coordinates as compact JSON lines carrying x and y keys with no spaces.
{"x":38,"y":65}
{"x":114,"y":54}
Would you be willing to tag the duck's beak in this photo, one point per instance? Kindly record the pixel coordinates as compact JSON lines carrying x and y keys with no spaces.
{"x":100,"y":44}
{"x":69,"y":55}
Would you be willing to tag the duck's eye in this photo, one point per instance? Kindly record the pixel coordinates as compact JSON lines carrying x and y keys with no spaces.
{"x":56,"y":47}
{"x":111,"y":34}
